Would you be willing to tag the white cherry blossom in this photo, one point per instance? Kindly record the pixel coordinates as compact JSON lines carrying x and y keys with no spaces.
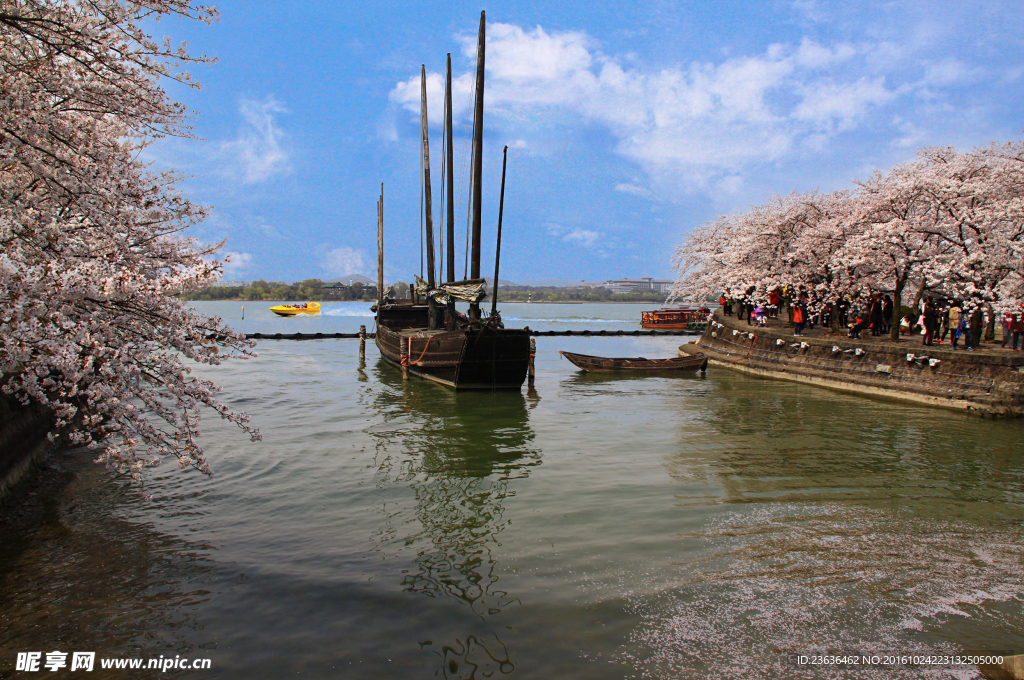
{"x":92,"y":250}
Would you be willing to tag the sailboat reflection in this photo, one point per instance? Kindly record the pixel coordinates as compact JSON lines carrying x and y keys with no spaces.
{"x":474,"y":660}
{"x":457,"y":452}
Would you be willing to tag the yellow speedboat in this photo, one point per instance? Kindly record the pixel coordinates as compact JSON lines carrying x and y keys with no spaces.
{"x":292,"y":310}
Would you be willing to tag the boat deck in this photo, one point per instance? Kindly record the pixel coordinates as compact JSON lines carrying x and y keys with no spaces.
{"x":421,"y":332}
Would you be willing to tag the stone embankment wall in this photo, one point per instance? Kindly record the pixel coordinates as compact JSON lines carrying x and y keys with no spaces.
{"x":23,"y":440}
{"x":985,"y":382}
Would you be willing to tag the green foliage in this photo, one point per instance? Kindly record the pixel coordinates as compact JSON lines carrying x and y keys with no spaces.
{"x":308,"y":290}
{"x":317,"y":290}
{"x":551,"y":294}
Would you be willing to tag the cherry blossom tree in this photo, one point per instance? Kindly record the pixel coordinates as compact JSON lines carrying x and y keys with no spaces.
{"x":979,"y":197}
{"x":93,"y":252}
{"x":949,"y":223}
{"x":788,"y":242}
{"x":896,"y":236}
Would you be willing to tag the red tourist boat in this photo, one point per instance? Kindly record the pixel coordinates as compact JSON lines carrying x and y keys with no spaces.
{"x":686,"y":318}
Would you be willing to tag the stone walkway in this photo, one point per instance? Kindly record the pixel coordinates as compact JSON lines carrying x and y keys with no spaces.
{"x":908,"y":343}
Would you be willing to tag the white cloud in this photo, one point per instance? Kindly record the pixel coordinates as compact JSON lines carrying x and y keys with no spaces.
{"x":635,"y":190}
{"x":584,"y":237}
{"x":811,"y":9}
{"x":344,"y":260}
{"x":408,"y":95}
{"x":813,"y":55}
{"x":256,"y":155}
{"x":534,"y":55}
{"x":729,"y":185}
{"x":912,"y":135}
{"x":235,"y":263}
{"x":949,"y":72}
{"x":699,"y":124}
{"x":831,"y":103}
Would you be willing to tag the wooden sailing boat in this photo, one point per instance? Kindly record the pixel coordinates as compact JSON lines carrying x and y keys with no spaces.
{"x":433,"y":340}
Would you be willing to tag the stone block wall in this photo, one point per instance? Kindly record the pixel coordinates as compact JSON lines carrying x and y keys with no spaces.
{"x":983,"y":382}
{"x":23,"y":439}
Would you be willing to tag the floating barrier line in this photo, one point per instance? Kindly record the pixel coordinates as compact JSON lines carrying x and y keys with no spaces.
{"x":341,"y":336}
{"x":904,"y":373}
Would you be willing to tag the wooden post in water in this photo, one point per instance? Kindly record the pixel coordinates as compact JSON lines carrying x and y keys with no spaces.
{"x":362,"y":343}
{"x":531,"y":372}
{"x":478,"y":162}
{"x":497,"y":250}
{"x":406,"y":349}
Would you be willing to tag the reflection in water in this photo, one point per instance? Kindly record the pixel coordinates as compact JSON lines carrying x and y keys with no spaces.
{"x":850,"y":516}
{"x":585,"y":379}
{"x":461,"y":518}
{"x":456,"y":452}
{"x":473,"y":660}
{"x":780,"y":580}
{"x":136,"y":596}
{"x":383,"y":531}
{"x":786,"y":442}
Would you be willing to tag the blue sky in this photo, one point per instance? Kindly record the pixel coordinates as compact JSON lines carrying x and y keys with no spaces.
{"x":628,"y":123}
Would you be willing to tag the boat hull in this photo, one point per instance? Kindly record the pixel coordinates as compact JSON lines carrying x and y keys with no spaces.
{"x":692,"y":326}
{"x":288,"y":310}
{"x":465,"y":359}
{"x":687,"y":364}
{"x":680,"y":318}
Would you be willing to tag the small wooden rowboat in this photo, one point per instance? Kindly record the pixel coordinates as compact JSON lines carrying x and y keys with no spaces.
{"x":694,"y":362}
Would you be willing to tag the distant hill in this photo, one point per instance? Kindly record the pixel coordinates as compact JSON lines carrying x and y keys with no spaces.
{"x":354,"y":278}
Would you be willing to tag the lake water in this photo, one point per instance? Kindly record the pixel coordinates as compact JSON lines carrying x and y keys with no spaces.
{"x":589,"y":527}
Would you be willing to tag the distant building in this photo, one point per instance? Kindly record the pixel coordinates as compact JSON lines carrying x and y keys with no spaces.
{"x":642,"y":285}
{"x":228,"y":284}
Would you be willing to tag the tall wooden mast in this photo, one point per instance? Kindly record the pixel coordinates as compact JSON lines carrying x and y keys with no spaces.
{"x":497,"y":248}
{"x":450,"y":160}
{"x":431,"y":282}
{"x":432,"y":321}
{"x":380,"y":249}
{"x":478,"y":160}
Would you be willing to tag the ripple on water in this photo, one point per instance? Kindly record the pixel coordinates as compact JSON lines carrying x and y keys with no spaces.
{"x":780,"y":580}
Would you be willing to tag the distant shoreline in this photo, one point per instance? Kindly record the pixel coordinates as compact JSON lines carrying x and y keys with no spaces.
{"x":500,"y":302}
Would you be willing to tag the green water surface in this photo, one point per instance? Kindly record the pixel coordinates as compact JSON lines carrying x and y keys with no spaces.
{"x":587,"y":527}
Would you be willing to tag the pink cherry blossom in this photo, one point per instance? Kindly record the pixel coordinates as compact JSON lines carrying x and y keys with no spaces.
{"x":947,"y":223}
{"x":93,"y":253}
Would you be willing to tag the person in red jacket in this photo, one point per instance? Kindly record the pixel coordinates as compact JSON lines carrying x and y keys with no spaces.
{"x":1017,"y":329}
{"x":859,"y":324}
{"x":774,"y":300}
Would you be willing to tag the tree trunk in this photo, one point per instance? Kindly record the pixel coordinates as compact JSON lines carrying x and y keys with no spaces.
{"x":897,"y":303}
{"x":990,"y":327}
{"x":834,"y":318}
{"x":916,"y":307}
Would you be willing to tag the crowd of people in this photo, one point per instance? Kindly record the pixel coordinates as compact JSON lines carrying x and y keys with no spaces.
{"x":936,"y":318}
